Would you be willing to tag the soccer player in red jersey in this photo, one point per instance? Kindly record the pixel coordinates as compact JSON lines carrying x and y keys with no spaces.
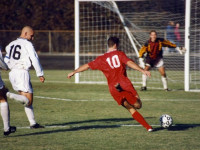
{"x":113,"y":65}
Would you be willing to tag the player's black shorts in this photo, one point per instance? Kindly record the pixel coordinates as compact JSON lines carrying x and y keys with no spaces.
{"x":158,"y":62}
{"x":3,"y":92}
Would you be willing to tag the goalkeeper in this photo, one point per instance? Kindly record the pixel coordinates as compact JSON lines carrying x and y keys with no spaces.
{"x":154,"y":58}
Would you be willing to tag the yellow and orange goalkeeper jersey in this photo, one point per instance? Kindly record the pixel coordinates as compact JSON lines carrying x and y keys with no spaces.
{"x":154,"y":49}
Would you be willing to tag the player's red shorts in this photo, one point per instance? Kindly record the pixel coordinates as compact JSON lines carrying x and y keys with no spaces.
{"x":129,"y":93}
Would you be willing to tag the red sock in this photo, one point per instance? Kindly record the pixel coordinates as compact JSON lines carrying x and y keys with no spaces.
{"x":138,"y":117}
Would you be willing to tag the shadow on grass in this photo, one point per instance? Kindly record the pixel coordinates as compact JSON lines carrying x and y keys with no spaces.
{"x":70,"y":129}
{"x":109,"y":120}
{"x":178,"y":127}
{"x":84,"y":127}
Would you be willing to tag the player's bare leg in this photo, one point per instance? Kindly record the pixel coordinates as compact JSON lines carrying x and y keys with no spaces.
{"x":5,"y":114}
{"x":144,"y":79}
{"x":135,"y":114}
{"x":163,"y":77}
{"x":29,"y":111}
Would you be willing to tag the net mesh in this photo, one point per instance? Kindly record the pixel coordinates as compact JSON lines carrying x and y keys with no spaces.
{"x":99,"y":20}
{"x":195,"y":45}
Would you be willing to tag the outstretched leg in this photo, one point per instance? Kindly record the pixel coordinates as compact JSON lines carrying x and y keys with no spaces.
{"x":135,"y":114}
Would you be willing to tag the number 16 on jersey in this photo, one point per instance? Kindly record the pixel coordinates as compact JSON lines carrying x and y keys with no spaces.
{"x":16,"y":53}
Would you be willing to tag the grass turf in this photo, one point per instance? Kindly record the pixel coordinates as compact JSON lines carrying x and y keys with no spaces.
{"x":95,"y":122}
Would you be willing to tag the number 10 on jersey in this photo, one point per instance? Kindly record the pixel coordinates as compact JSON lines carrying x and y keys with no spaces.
{"x":115,"y":61}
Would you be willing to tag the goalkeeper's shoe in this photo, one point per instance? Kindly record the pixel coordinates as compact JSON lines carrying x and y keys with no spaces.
{"x":143,"y":88}
{"x":12,"y":129}
{"x":167,"y":90}
{"x":36,"y":126}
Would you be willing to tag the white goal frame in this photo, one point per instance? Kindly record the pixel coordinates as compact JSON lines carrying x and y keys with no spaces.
{"x":187,"y":38}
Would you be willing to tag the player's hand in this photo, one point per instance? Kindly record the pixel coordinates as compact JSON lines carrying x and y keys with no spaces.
{"x":181,"y":50}
{"x":147,"y":73}
{"x":70,"y":75}
{"x":42,"y":79}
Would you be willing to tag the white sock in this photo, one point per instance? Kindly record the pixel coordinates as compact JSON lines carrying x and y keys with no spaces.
{"x":20,"y":98}
{"x":144,"y":80}
{"x":30,"y":115}
{"x":164,"y":81}
{"x":5,"y":114}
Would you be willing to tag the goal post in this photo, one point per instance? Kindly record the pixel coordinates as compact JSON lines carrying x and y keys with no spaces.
{"x":77,"y":37}
{"x":187,"y":45}
{"x":131,"y":21}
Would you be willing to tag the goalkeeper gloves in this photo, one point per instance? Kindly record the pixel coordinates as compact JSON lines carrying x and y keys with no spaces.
{"x":181,"y":50}
{"x":141,"y":63}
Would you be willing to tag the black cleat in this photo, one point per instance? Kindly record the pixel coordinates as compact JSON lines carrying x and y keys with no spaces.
{"x":143,"y":88}
{"x":118,"y":87}
{"x":167,"y":90}
{"x":36,"y":126}
{"x":11,"y":130}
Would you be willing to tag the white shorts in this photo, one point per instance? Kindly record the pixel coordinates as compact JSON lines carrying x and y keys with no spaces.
{"x":20,"y":80}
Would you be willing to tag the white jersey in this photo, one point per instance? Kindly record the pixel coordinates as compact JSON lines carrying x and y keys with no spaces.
{"x":20,"y":54}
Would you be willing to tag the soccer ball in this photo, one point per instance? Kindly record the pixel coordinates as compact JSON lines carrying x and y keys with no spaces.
{"x":166,"y":121}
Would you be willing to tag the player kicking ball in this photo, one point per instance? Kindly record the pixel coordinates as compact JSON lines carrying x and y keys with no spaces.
{"x":20,"y":55}
{"x":153,"y":48}
{"x":113,"y":65}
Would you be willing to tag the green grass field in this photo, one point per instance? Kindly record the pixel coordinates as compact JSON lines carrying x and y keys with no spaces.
{"x":84,"y":116}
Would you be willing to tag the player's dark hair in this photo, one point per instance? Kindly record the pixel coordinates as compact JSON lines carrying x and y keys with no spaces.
{"x":153,"y":31}
{"x":112,"y":41}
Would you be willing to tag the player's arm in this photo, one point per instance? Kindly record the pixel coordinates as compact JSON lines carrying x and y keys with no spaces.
{"x":167,"y":43}
{"x":35,"y":62}
{"x":134,"y":66}
{"x":142,"y":51}
{"x":80,"y":69}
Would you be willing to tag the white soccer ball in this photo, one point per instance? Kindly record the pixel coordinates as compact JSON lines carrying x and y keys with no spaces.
{"x":166,"y":121}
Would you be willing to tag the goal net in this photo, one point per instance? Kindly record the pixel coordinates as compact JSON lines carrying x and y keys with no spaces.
{"x":131,"y":21}
{"x":195,"y":46}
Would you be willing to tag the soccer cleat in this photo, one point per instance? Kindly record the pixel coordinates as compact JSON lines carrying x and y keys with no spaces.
{"x":150,"y":130}
{"x":167,"y":90}
{"x":143,"y":88}
{"x":36,"y":126}
{"x":12,"y":129}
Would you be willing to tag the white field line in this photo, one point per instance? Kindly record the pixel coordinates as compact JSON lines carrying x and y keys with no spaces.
{"x":109,"y":100}
{"x":65,"y":126}
{"x":97,"y":126}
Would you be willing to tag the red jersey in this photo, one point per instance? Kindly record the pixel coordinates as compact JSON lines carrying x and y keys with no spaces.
{"x":113,"y":65}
